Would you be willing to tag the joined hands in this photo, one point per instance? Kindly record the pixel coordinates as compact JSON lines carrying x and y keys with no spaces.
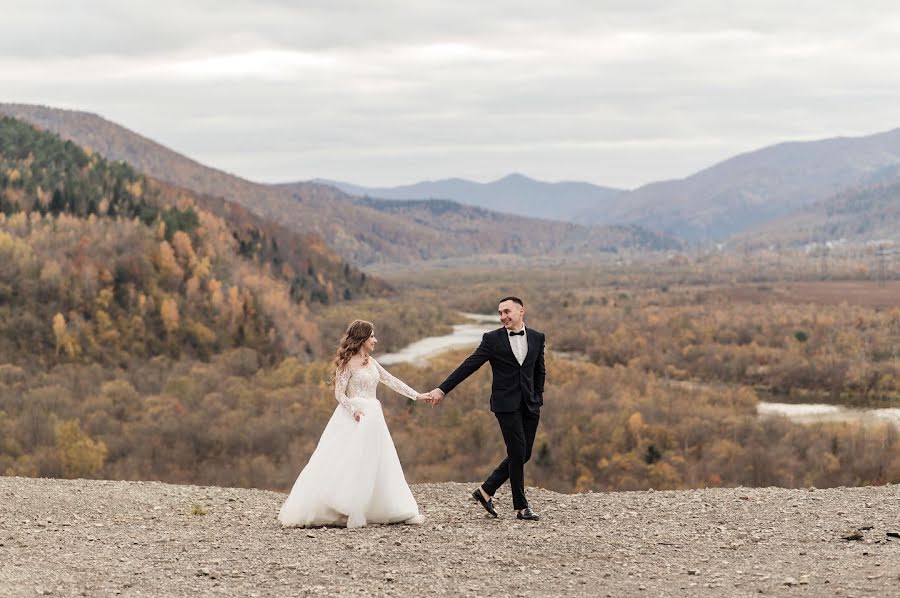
{"x":432,"y":398}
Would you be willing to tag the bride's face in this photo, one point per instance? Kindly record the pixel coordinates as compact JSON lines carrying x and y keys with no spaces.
{"x":369,"y":345}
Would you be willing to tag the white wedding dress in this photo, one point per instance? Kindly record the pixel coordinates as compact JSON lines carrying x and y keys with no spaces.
{"x":354,"y":475}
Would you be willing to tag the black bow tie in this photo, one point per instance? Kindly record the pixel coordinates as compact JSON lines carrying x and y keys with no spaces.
{"x":519,"y":333}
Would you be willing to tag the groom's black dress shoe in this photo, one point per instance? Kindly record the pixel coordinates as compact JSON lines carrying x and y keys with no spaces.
{"x":527,"y":514}
{"x":487,"y":504}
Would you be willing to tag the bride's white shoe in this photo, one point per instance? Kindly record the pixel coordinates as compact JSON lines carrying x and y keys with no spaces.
{"x":415,"y":520}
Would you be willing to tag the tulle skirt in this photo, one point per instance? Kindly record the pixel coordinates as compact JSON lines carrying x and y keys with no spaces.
{"x":353,"y":477}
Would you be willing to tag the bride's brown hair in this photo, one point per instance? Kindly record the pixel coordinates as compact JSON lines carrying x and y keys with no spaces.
{"x":358,"y":332}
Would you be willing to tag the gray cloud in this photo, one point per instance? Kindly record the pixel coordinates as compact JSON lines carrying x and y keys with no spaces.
{"x":618,"y":93}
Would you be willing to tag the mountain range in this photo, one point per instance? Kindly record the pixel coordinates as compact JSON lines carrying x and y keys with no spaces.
{"x":758,"y":193}
{"x":356,"y":230}
{"x":514,"y":194}
{"x":756,"y":188}
{"x":744,"y":193}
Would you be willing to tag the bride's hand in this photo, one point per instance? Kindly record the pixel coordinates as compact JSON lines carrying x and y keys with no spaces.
{"x":423,"y":396}
{"x":357,"y":414}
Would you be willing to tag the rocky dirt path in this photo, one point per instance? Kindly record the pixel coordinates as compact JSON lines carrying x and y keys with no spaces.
{"x":99,"y":538}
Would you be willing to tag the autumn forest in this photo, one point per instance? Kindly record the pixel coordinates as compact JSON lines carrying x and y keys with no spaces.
{"x":150,"y":332}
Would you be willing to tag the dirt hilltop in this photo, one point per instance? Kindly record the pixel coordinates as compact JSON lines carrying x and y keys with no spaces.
{"x":104,"y":538}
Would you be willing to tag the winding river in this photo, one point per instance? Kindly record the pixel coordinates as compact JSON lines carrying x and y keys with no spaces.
{"x":809,"y":413}
{"x":469,"y":335}
{"x":463,"y":335}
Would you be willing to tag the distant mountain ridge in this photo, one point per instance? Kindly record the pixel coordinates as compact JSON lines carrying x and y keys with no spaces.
{"x":743,"y":193}
{"x":748,"y":192}
{"x":752,"y":189}
{"x":477,"y":229}
{"x":358,"y":232}
{"x":512,"y":194}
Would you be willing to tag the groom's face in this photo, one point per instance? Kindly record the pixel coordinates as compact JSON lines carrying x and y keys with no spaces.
{"x":511,"y":315}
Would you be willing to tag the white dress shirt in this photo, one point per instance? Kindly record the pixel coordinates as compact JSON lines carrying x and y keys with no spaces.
{"x":519,"y":345}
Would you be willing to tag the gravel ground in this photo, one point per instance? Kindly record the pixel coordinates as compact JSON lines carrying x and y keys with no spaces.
{"x":101,"y":538}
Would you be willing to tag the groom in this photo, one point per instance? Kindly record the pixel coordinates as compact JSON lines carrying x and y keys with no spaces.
{"x":517,"y":362}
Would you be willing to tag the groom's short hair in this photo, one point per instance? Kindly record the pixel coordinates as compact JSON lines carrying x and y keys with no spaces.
{"x":514,"y":300}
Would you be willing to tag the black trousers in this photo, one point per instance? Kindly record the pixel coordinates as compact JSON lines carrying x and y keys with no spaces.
{"x":518,"y":428}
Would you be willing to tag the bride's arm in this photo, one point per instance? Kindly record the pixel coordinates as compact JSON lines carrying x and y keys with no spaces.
{"x":394,"y":383}
{"x":341,"y":378}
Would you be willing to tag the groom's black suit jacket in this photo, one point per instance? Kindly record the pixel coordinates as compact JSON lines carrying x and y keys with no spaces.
{"x":513,"y":383}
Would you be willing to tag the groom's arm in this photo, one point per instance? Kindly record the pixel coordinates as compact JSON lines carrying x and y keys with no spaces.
{"x":467,"y":367}
{"x":540,"y":373}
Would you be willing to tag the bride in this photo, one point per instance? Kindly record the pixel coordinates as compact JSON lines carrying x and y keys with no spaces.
{"x":354,"y":475}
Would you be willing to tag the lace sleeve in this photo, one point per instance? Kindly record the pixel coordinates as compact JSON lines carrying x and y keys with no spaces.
{"x":393,"y":383}
{"x":341,"y":378}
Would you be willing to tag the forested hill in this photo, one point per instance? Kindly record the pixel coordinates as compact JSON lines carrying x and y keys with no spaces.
{"x":496,"y":233}
{"x":99,"y":263}
{"x":867,"y":214}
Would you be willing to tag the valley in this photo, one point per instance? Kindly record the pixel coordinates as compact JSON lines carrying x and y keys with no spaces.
{"x":180,"y":329}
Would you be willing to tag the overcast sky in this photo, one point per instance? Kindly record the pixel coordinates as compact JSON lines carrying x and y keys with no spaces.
{"x":392,"y":92}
